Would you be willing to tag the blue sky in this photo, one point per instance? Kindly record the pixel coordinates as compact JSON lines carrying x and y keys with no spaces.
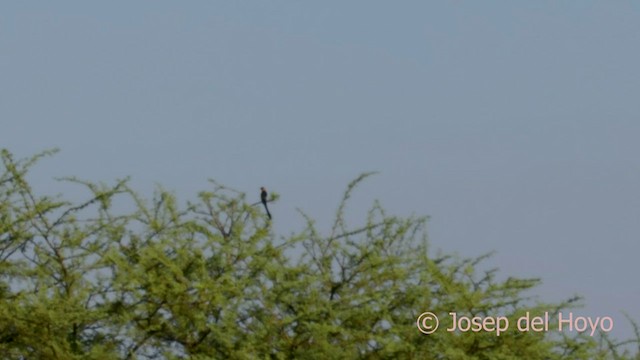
{"x":513,"y":125}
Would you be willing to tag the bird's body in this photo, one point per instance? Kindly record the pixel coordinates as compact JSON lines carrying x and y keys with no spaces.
{"x":263,"y":198}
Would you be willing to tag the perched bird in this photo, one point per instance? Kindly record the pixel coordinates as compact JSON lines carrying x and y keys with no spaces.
{"x":263,"y":198}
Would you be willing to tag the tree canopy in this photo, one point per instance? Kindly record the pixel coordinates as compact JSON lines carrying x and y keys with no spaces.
{"x":118,"y":276}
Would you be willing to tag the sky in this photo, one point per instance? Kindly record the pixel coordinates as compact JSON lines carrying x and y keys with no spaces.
{"x":512,"y":125}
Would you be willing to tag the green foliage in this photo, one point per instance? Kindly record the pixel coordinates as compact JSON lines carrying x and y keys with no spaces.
{"x":209,"y":280}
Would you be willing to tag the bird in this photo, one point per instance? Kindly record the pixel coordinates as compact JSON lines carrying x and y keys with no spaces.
{"x":263,"y":198}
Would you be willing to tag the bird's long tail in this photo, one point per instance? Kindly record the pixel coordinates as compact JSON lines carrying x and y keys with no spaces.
{"x":267,"y":209}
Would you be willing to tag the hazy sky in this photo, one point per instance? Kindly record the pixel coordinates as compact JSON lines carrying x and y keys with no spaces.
{"x":514,"y":125}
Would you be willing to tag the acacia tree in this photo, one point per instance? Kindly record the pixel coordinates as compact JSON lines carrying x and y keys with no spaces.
{"x":209,"y":280}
